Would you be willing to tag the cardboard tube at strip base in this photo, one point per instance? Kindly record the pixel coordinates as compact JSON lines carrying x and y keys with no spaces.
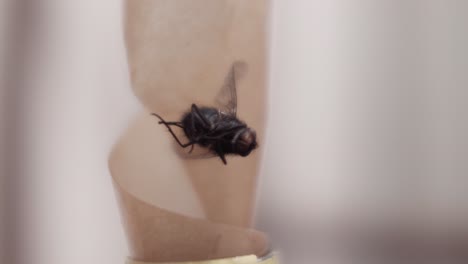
{"x":155,"y":234}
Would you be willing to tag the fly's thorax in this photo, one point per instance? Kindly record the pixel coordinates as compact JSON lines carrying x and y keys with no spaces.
{"x":197,"y":124}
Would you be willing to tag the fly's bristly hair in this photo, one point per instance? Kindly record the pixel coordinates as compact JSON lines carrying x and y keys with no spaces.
{"x":217,"y":128}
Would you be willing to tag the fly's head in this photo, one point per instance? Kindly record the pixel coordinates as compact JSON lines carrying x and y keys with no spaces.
{"x":245,"y":141}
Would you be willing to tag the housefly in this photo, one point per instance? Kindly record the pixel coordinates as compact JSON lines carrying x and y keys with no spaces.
{"x":217,"y":128}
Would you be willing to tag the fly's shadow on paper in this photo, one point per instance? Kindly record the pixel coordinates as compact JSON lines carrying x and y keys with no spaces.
{"x":217,"y":128}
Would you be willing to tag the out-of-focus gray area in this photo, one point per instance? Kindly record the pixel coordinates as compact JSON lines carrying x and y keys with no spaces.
{"x":367,"y":142}
{"x":4,"y":8}
{"x":68,"y":100}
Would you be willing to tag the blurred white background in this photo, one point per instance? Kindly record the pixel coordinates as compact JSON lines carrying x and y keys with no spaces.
{"x":368,"y":123}
{"x":70,"y":103}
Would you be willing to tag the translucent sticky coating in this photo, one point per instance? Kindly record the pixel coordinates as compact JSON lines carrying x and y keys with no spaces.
{"x":175,"y":206}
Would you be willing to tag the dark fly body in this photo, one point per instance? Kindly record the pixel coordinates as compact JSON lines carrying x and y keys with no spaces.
{"x":217,"y":128}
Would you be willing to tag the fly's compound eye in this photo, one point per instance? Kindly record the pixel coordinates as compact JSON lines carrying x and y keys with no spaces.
{"x":246,"y":142}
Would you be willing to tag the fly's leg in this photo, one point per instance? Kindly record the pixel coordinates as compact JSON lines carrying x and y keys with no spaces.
{"x":193,"y":129}
{"x":197,"y":117}
{"x":221,"y":156}
{"x":196,"y":113}
{"x":178,"y":124}
{"x":191,"y":148}
{"x":168,"y":124}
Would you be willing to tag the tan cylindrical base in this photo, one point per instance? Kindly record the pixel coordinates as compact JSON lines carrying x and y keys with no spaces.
{"x":249,"y":259}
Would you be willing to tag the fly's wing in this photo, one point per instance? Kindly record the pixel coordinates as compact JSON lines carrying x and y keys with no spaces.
{"x":227,"y":98}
